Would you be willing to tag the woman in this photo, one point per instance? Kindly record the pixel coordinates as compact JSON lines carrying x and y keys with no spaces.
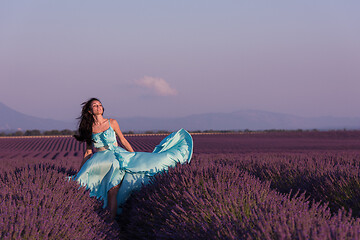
{"x":112,"y":172}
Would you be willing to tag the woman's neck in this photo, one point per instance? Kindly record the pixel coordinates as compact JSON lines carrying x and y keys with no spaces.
{"x":98,"y":119}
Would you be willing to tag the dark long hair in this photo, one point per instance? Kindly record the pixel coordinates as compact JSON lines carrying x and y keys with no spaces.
{"x":86,"y":121}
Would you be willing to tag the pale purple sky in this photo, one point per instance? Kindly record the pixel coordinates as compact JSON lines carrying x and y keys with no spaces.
{"x":168,"y":58}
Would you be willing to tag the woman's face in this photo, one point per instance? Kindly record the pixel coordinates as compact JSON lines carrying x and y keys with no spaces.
{"x":96,"y":108}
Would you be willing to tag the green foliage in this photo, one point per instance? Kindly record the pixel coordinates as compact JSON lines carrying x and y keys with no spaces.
{"x":128,"y":132}
{"x":52,"y":132}
{"x":32,"y":132}
{"x":18,"y":133}
{"x":162,"y":131}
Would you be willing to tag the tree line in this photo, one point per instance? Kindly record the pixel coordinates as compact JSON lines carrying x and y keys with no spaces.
{"x":36,"y":132}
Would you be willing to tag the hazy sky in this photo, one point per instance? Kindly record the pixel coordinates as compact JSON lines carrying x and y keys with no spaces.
{"x":176,"y":58}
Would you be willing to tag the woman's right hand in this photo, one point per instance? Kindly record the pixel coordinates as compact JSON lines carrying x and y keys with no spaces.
{"x":87,"y":155}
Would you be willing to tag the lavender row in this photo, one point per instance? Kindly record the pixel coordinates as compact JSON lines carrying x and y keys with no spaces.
{"x":211,"y":174}
{"x":41,"y":144}
{"x":68,"y":162}
{"x":203,"y":143}
{"x":330,"y":177}
{"x":282,"y":159}
{"x":215,"y":200}
{"x":67,"y":144}
{"x":38,"y":202}
{"x":278,"y":142}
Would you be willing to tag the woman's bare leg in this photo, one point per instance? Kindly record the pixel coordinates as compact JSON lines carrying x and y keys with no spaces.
{"x":112,"y":201}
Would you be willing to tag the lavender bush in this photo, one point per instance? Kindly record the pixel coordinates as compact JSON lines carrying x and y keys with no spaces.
{"x":330,"y":177}
{"x":209,"y":200}
{"x":37,"y":202}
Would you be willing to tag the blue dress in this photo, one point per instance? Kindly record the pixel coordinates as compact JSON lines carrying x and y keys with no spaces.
{"x":115,"y":165}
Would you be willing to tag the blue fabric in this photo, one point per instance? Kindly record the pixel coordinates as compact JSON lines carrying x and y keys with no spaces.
{"x":104,"y":138}
{"x":108,"y":168}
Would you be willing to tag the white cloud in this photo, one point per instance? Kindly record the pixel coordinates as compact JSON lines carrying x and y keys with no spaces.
{"x":158,"y":85}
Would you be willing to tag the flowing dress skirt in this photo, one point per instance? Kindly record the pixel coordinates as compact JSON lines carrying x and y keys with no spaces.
{"x":108,"y":168}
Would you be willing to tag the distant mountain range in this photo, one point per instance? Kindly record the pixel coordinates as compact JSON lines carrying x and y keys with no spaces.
{"x":239,"y":120}
{"x":11,"y":120}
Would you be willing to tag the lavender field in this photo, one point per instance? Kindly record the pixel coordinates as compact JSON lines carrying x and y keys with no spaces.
{"x":274,"y":185}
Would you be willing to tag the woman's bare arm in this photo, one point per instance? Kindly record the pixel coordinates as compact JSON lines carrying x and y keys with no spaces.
{"x":118,"y":132}
{"x":87,"y":155}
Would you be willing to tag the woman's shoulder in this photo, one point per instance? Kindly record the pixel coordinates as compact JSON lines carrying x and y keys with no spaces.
{"x":113,"y":122}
